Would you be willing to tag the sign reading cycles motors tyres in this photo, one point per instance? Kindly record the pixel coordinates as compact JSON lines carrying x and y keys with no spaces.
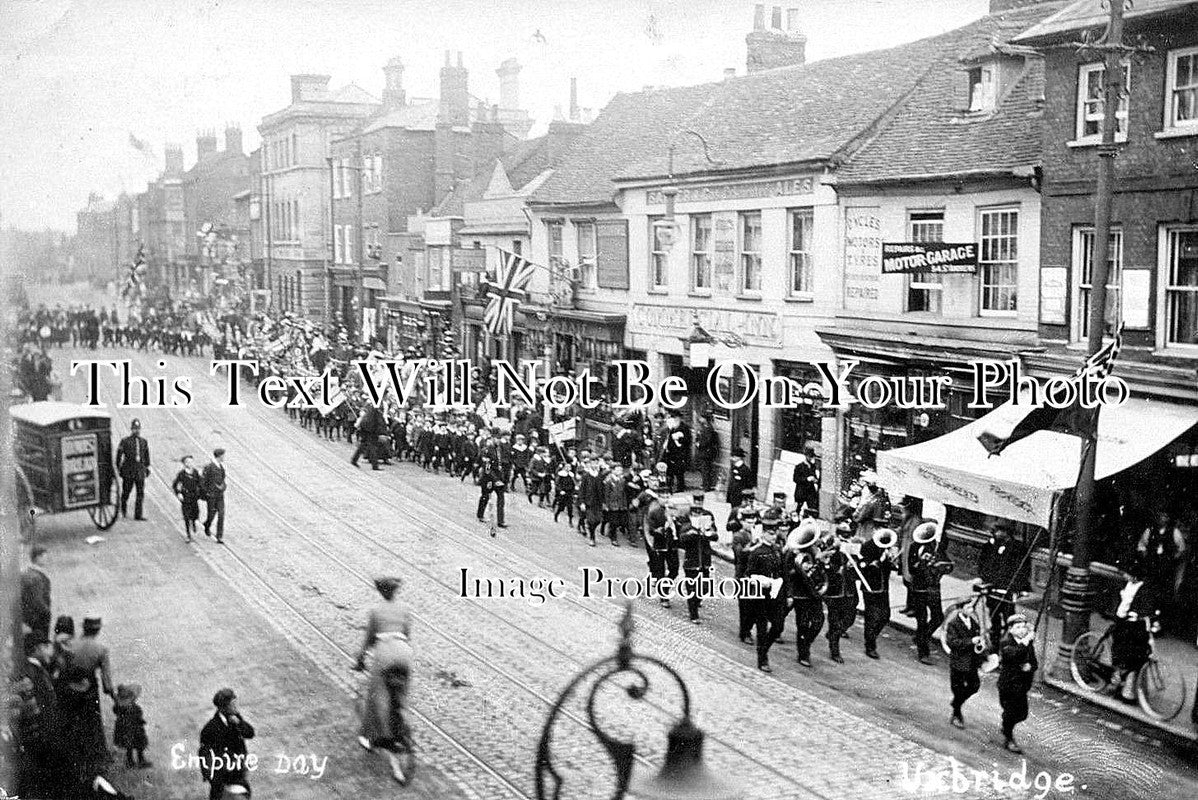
{"x":935,"y":257}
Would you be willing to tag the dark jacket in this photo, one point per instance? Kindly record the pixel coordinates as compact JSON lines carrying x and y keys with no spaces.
{"x":224,"y":740}
{"x":212,"y":479}
{"x":1013,"y":657}
{"x":615,"y":492}
{"x":130,"y":463}
{"x":590,"y":490}
{"x":962,"y":655}
{"x":188,"y":485}
{"x":740,"y":477}
{"x":676,"y":447}
{"x":696,"y":546}
{"x":35,"y":599}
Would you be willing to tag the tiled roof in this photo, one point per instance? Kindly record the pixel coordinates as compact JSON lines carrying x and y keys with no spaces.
{"x":415,"y":116}
{"x":816,"y":112}
{"x":930,"y":136}
{"x":1084,"y":14}
{"x":522,"y":163}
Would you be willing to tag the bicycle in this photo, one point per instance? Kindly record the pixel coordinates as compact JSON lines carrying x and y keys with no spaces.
{"x":1160,"y":689}
{"x":977,"y":607}
{"x":401,"y":748}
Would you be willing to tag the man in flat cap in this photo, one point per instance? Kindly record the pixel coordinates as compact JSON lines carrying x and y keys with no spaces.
{"x":222,"y":746}
{"x":212,"y":480}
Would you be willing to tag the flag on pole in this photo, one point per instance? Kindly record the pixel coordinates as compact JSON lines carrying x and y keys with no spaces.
{"x":1073,"y":419}
{"x":506,"y":292}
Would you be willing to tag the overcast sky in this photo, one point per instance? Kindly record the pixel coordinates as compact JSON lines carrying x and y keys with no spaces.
{"x":78,"y":76}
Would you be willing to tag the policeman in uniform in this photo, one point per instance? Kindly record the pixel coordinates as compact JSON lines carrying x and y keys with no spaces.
{"x":133,"y":465}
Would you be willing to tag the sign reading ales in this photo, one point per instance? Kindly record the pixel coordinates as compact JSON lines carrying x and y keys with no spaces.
{"x":934,"y":257}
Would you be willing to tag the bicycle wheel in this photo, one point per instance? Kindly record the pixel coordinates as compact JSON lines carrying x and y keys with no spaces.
{"x":1090,"y":662}
{"x":1161,"y":690}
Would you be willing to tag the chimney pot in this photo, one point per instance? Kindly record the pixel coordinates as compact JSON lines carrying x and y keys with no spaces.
{"x":729,"y":72}
{"x":759,"y":17}
{"x":776,"y":18}
{"x":459,"y":58}
{"x":792,"y":20}
{"x":447,"y":61}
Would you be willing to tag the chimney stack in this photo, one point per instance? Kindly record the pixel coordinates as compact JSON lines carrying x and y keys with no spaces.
{"x":455,"y":94}
{"x":509,"y":84}
{"x":205,"y":145}
{"x":393,"y":92}
{"x":233,"y":143}
{"x":174,"y":160}
{"x":774,"y":48}
{"x":308,"y":87}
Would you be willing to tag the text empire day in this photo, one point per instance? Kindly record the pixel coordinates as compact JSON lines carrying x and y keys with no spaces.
{"x":731,"y":384}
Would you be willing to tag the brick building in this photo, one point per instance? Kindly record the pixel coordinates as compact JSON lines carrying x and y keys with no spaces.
{"x":209,"y":191}
{"x":1153,"y":284}
{"x":295,"y":188}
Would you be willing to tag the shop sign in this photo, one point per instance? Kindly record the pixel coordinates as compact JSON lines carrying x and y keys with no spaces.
{"x":1053,"y":295}
{"x":929,"y":257}
{"x":468,"y":259}
{"x":862,"y":258}
{"x":786,"y":187}
{"x":755,"y":327}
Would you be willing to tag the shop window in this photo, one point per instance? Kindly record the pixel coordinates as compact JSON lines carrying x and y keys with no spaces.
{"x":925,"y":289}
{"x":586,"y":254}
{"x":659,"y":255}
{"x":750,"y":251}
{"x":801,"y":424}
{"x":701,"y":252}
{"x":799,"y":256}
{"x":1181,"y":287}
{"x":1181,"y":89}
{"x":1090,"y":103}
{"x":1083,"y":268}
{"x":998,"y":260}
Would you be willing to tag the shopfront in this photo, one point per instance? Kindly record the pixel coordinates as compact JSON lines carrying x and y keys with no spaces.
{"x":800,"y":426}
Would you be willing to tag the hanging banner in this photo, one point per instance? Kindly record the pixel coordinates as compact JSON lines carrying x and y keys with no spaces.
{"x":929,"y":257}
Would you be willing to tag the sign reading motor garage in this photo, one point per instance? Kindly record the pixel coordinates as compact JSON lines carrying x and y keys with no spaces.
{"x":933,"y":257}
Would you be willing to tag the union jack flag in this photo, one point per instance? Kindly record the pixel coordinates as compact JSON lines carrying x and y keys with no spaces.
{"x":506,"y":292}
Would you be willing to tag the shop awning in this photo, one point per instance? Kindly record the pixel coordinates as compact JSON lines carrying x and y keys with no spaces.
{"x":1022,"y":483}
{"x":374,"y":284}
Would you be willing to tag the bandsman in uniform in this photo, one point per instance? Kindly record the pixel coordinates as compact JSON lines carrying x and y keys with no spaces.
{"x":657,"y":532}
{"x":878,"y":556}
{"x":840,"y":598}
{"x":926,"y":568}
{"x":763,"y":565}
{"x":695,"y":528}
{"x":807,"y":581}
{"x":740,"y":525}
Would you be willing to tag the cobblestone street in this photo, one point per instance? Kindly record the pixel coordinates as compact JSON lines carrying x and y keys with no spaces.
{"x":278,"y":613}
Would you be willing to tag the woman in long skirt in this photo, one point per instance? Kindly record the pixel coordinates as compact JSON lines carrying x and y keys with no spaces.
{"x":387,"y":633}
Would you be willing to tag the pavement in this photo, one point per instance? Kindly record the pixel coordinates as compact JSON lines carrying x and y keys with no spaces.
{"x":274,"y":612}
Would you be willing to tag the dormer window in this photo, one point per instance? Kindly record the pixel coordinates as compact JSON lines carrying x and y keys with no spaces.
{"x":982,"y":88}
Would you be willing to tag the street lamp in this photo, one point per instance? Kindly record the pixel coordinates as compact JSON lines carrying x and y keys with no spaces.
{"x":683,"y":776}
{"x":666,"y":229}
{"x":698,"y":344}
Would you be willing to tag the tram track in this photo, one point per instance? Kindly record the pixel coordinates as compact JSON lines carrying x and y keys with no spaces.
{"x":363,"y":578}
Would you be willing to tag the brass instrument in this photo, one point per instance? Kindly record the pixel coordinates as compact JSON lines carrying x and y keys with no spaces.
{"x":885,"y":538}
{"x":925,"y":533}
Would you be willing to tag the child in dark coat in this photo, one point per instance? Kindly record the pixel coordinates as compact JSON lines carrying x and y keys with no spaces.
{"x":129,"y":731}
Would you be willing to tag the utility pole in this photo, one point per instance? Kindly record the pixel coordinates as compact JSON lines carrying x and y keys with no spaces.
{"x":361,"y":256}
{"x":1075,"y":592}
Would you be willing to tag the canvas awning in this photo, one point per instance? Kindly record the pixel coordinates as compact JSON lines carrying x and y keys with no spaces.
{"x":1022,"y":483}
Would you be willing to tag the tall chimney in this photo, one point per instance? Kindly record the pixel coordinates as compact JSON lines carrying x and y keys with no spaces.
{"x":393,"y":92}
{"x":205,"y":145}
{"x":509,"y":84}
{"x":174,"y":160}
{"x":574,"y":99}
{"x":455,"y":94}
{"x":773,"y":48}
{"x":233,"y":142}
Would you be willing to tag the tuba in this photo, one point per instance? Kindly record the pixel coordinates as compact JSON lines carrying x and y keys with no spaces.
{"x":929,"y":533}
{"x":885,"y":538}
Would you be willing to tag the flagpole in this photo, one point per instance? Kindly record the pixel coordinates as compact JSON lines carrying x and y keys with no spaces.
{"x":1075,"y":591}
